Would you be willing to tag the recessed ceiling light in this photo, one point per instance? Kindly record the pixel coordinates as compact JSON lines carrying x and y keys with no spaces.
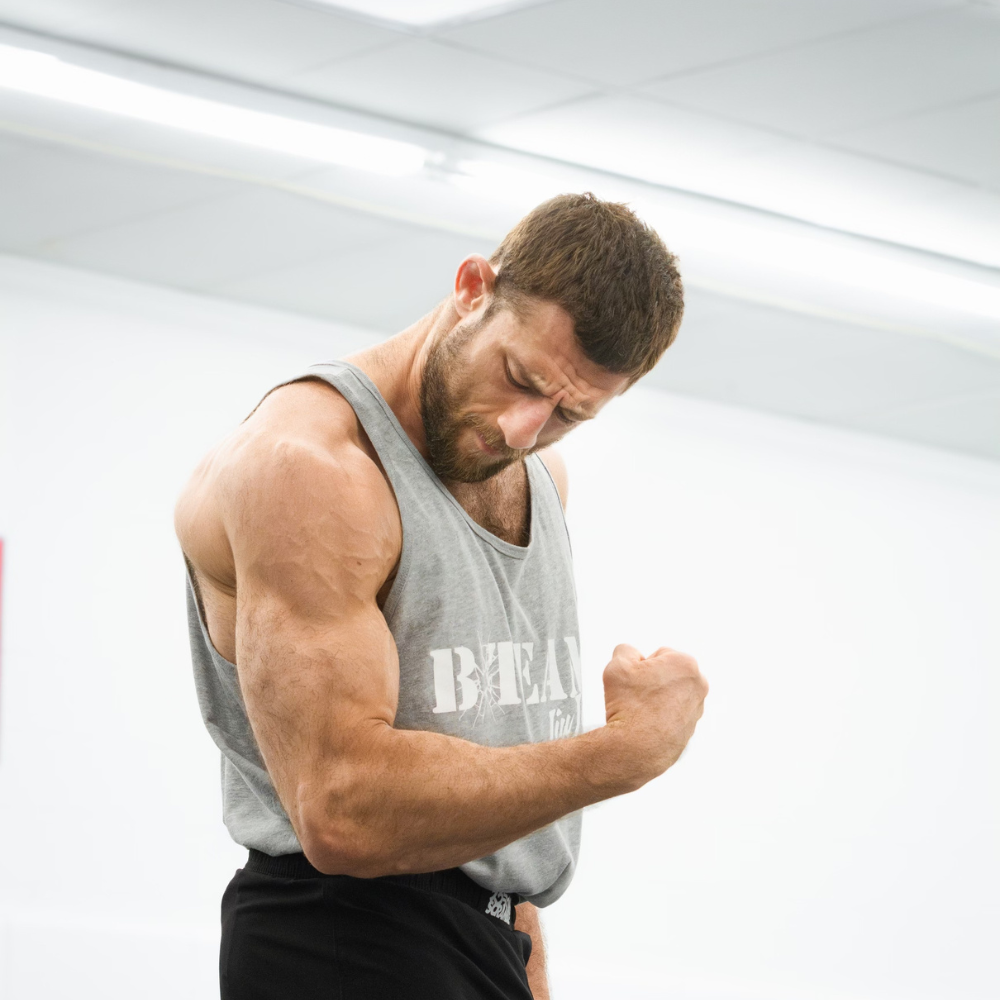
{"x":422,"y":13}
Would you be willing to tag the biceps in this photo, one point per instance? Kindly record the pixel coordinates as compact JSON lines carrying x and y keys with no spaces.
{"x":310,"y":687}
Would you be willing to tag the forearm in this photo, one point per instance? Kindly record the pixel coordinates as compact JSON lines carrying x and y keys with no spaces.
{"x":527,"y":921}
{"x":415,"y":801}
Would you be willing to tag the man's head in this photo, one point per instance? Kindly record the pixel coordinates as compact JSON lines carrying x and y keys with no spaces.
{"x":577,"y":303}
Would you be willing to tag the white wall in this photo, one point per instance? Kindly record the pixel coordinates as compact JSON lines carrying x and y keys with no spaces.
{"x":830,"y":833}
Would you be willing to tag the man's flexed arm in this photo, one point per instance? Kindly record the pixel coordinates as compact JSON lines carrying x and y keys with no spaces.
{"x":314,"y":532}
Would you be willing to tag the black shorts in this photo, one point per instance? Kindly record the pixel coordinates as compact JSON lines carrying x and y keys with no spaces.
{"x":289,"y":932}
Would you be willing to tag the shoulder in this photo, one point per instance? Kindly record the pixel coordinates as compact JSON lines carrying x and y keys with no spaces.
{"x":304,"y":465}
{"x":556,"y":465}
{"x":294,"y":478}
{"x":298,"y":431}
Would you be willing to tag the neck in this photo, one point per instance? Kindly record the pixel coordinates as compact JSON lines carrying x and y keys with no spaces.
{"x":396,"y":367}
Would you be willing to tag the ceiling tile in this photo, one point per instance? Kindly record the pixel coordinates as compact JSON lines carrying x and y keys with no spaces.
{"x":962,"y":141}
{"x":634,"y":136}
{"x":208,"y":243}
{"x":727,"y":339}
{"x":426,"y":198}
{"x":47,"y":192}
{"x":256,"y":40}
{"x":358,"y":287}
{"x":627,"y":41}
{"x":901,"y":374}
{"x":773,"y":359}
{"x":738,"y":353}
{"x":852,"y":192}
{"x":436,"y":84}
{"x":966,"y":423}
{"x":841,"y":83}
{"x":60,"y":17}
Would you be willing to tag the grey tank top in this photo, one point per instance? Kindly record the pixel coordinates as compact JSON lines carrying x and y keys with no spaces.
{"x":488,"y":644}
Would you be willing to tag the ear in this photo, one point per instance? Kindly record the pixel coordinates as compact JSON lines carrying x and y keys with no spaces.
{"x":473,"y":284}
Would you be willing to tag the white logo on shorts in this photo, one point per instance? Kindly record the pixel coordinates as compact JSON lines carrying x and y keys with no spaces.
{"x":499,"y":906}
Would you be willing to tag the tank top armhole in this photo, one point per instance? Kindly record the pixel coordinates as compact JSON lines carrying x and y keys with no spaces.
{"x":392,"y":598}
{"x":558,"y":500}
{"x":384,"y":448}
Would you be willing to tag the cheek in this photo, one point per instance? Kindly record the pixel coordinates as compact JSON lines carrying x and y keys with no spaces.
{"x":476,"y":393}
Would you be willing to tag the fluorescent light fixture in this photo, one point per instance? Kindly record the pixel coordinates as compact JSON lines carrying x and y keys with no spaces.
{"x":421,"y":13}
{"x":47,"y":76}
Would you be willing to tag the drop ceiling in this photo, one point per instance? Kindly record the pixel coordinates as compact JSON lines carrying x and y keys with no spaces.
{"x":876,"y":119}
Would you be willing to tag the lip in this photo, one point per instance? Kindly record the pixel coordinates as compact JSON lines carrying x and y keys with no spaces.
{"x":485,"y":446}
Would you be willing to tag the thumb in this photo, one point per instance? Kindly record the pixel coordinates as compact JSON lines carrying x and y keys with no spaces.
{"x":662,"y":649}
{"x":624,"y":651}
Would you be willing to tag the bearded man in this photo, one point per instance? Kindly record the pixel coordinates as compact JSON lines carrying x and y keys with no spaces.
{"x":384,"y":629}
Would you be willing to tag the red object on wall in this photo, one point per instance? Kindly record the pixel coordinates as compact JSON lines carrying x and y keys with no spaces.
{"x":1,"y":600}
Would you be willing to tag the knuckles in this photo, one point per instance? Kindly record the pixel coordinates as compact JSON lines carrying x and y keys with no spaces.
{"x":665,"y":666}
{"x":680,"y":664}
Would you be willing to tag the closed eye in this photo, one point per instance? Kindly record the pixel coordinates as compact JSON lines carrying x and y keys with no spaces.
{"x":527,"y":388}
{"x":517,"y":385}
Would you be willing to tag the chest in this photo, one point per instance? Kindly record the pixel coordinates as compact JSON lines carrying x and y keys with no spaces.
{"x":501,"y":505}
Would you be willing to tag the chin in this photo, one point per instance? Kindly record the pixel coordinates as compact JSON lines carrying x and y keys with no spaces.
{"x":459,"y":457}
{"x":459,"y":467}
{"x":480,"y":471}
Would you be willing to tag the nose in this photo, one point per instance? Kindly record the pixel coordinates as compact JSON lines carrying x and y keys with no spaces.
{"x":522,"y":422}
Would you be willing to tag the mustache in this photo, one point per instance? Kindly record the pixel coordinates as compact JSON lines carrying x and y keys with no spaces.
{"x":497,"y":443}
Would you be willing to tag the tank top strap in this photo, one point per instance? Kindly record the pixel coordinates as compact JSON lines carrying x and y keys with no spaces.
{"x":381,"y":425}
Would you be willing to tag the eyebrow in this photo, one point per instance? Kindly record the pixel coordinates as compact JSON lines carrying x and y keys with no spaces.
{"x":523,"y":375}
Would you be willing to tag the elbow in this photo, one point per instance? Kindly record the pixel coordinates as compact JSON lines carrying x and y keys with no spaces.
{"x":344,"y":829}
{"x":348,"y":855}
{"x":341,"y":845}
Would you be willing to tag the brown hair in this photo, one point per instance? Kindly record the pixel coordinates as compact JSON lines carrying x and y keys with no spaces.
{"x":608,"y":270}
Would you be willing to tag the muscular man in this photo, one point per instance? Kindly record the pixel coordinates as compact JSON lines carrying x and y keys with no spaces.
{"x":384,"y":629}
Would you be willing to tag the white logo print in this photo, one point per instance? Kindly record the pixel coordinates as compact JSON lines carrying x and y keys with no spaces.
{"x":508,"y":673}
{"x":499,"y":906}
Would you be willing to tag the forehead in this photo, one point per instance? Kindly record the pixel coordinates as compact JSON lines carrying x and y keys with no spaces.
{"x":538,"y":337}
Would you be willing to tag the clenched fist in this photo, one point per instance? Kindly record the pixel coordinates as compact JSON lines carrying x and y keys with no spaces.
{"x":654,"y":702}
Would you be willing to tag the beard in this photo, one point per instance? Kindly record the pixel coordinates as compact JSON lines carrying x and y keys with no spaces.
{"x":440,"y":409}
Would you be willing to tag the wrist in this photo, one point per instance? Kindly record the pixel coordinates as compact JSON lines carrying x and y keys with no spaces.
{"x":614,"y":769}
